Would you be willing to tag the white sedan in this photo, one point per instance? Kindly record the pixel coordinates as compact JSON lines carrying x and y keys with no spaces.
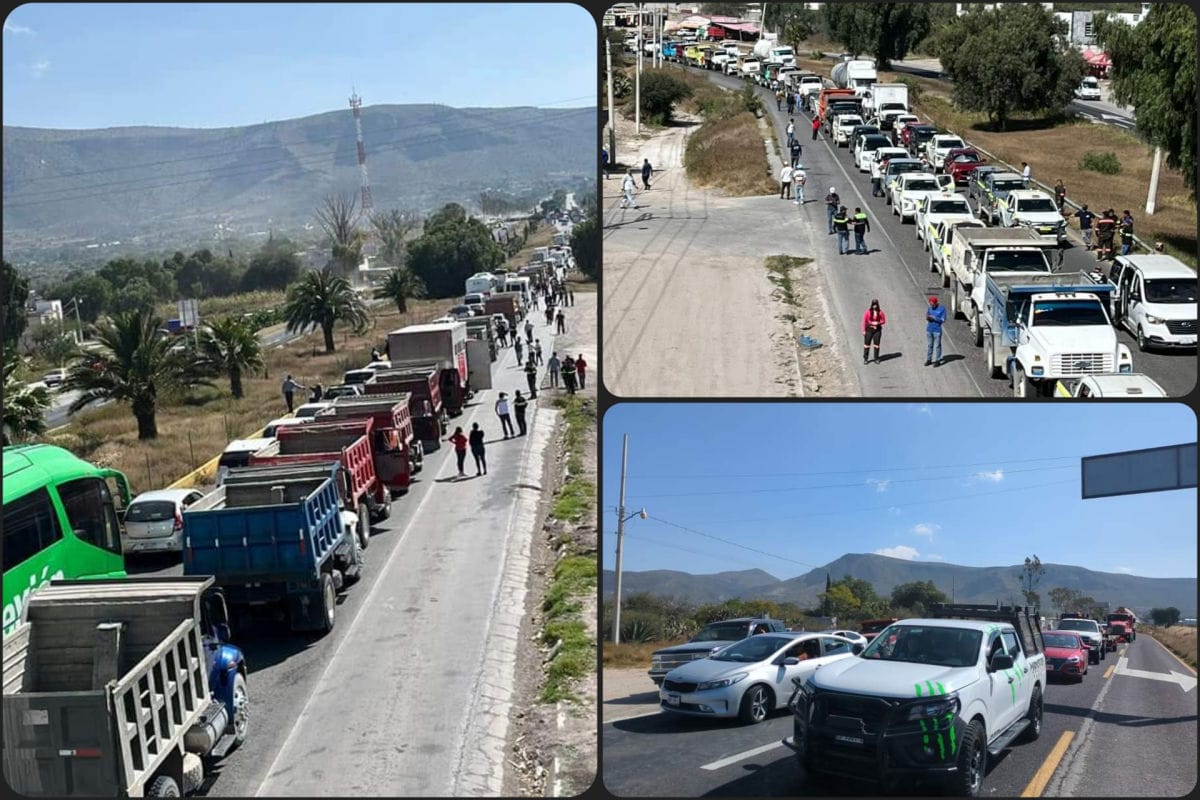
{"x":935,"y":208}
{"x":911,"y":188}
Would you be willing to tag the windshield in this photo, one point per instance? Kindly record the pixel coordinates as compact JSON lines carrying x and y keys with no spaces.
{"x":875,"y":142}
{"x":921,"y":185}
{"x":966,"y":158}
{"x":948,"y":647}
{"x":949,"y":207}
{"x":722,"y":633}
{"x":908,"y":166}
{"x":1079,"y":625}
{"x":892,"y":107}
{"x":150,"y":511}
{"x":756,"y":648}
{"x":1036,"y":204}
{"x":1017,"y":261}
{"x":1007,"y":185}
{"x":850,"y":121}
{"x":1066,"y":313}
{"x":1060,"y":640}
{"x":923,"y":134}
{"x":1170,"y":290}
{"x":950,"y":144}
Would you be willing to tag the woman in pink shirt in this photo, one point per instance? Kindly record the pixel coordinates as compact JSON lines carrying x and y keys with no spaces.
{"x":872,"y":327}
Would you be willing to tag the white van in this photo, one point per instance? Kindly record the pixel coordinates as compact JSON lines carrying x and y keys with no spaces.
{"x":1154,"y":298}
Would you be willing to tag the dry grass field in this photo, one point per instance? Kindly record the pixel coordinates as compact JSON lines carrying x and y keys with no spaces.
{"x":1179,"y":639}
{"x":632,"y":654}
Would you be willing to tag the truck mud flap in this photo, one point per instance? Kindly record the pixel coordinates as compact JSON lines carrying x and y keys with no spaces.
{"x":304,"y":610}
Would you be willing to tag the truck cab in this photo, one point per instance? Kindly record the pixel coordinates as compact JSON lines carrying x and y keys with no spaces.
{"x":908,"y":192}
{"x":842,"y":125}
{"x":1063,"y":334}
{"x":1154,"y":298}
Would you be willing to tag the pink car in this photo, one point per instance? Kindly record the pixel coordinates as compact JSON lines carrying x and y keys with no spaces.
{"x":1066,"y":655}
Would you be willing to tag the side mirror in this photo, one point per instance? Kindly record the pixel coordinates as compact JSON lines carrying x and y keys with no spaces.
{"x":1001,"y":661}
{"x":857,"y":648}
{"x":223,"y":632}
{"x":790,"y":661}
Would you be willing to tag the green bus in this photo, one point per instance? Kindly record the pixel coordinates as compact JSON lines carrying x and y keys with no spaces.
{"x":59,"y":521}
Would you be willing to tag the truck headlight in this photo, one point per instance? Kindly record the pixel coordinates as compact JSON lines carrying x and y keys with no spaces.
{"x":1126,"y":368}
{"x":1037,"y":371}
{"x":935,"y":707}
{"x":723,"y":682}
{"x":1154,"y":320}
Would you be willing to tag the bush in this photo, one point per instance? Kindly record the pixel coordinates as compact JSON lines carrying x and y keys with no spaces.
{"x":817,"y":54}
{"x":660,"y":92}
{"x":1104,"y":163}
{"x":914,"y":89}
{"x":750,"y":99}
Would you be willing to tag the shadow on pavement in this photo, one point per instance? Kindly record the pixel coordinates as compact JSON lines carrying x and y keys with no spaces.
{"x":640,"y":698}
{"x":1124,"y":720}
{"x":889,"y":356}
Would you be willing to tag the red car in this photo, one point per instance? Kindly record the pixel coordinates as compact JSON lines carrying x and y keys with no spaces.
{"x":961,"y":166}
{"x":1066,"y":654}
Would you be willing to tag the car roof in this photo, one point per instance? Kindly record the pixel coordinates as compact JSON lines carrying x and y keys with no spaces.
{"x":163,"y":494}
{"x":1062,"y":633}
{"x":1127,"y":384}
{"x":1007,"y":176}
{"x":251,"y":445}
{"x":1160,"y":266}
{"x":972,"y":624}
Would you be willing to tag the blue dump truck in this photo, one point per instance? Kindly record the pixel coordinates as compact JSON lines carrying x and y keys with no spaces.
{"x":276,"y":539}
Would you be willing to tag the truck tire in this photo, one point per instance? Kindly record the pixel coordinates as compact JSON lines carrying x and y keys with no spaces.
{"x":1022,"y":386}
{"x":932,"y":264}
{"x":163,"y":786}
{"x":1034,"y":715}
{"x":385,"y":510}
{"x":976,"y":326}
{"x":1091,"y":652}
{"x":994,"y":370}
{"x":1142,"y":341}
{"x":956,"y":310}
{"x":353,"y":570}
{"x":972,"y":763}
{"x":364,"y":526}
{"x":756,"y":705}
{"x":241,"y":710}
{"x":328,"y":603}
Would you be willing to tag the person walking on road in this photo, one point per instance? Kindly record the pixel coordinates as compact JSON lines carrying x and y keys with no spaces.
{"x":289,"y":391}
{"x":785,"y":183}
{"x":562,"y":322}
{"x":477,"y":450}
{"x":791,"y":132}
{"x":502,"y":412}
{"x":779,"y":99}
{"x":935,"y":318}
{"x":460,"y":449}
{"x":799,"y":178}
{"x":841,"y":225}
{"x":537,"y":352}
{"x":581,"y":371}
{"x":519,"y":406}
{"x":795,"y":152}
{"x":529,"y":331}
{"x":531,"y":376}
{"x":1085,"y":225}
{"x":519,"y":348}
{"x":816,"y":126}
{"x":604,"y":161}
{"x":628,"y":185}
{"x":1060,"y":195}
{"x":568,"y":374}
{"x":570,"y":296}
{"x":832,"y":201}
{"x":861,"y":226}
{"x":647,"y":171}
{"x":552,"y":367}
{"x":872,"y":327}
{"x":791,"y":103}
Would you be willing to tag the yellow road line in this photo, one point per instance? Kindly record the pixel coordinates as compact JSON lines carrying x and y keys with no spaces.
{"x":1042,"y":777}
{"x":1108,"y":672}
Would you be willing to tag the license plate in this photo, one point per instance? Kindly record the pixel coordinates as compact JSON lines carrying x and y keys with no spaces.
{"x":849,"y":739}
{"x":672,"y":699}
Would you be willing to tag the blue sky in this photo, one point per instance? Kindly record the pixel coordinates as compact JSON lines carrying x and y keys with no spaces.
{"x":973,"y":484}
{"x":215,"y":65}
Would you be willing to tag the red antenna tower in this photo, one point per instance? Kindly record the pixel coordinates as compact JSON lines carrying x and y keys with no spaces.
{"x":356,"y":105}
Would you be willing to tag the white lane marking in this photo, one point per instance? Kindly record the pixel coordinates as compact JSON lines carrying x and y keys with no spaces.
{"x":725,"y":762}
{"x":1185,"y":682}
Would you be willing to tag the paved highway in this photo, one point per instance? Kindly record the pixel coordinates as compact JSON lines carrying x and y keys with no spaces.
{"x":1115,"y":734}
{"x":410,"y":693}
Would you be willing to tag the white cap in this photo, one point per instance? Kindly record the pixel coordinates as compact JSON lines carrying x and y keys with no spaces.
{"x":832,"y":189}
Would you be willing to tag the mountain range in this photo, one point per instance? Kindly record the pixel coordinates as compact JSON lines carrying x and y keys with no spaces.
{"x":966,"y":584}
{"x":84,"y":185}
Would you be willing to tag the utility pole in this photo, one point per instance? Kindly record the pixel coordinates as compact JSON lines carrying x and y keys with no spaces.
{"x":1154,"y":180}
{"x":612,"y":111}
{"x":620,"y":536}
{"x":637,"y":77}
{"x":78,"y":321}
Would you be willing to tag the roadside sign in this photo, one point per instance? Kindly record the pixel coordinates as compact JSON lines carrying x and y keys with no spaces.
{"x":1157,"y":469}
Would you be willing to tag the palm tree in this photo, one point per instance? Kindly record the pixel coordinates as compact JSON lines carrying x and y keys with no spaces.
{"x":24,"y":406}
{"x":131,"y":364}
{"x":338,"y":218}
{"x":401,"y":284}
{"x":230,"y":346}
{"x":322,"y":298}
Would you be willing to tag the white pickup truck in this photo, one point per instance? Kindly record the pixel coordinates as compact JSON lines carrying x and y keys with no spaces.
{"x":842,"y":125}
{"x":1034,"y":210}
{"x":927,"y":700}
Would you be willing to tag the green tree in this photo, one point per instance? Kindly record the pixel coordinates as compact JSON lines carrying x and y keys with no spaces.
{"x":452,"y":247}
{"x":1154,"y":70}
{"x":1008,"y":60}
{"x":660,"y":92}
{"x":338,"y":218}
{"x":204,"y":275}
{"x":322,"y":298}
{"x":1031,"y":575}
{"x":273,"y":267}
{"x":12,"y":306}
{"x":53,"y":345}
{"x":400,"y":285}
{"x":1165,"y":617}
{"x":886,"y":31}
{"x":229,"y":346}
{"x":131,"y":365}
{"x":95,"y":295}
{"x":1064,"y":599}
{"x":585,"y":246}
{"x":24,"y":407}
{"x":135,"y":295}
{"x":918,"y":596}
{"x":840,"y":601}
{"x":153,"y":278}
{"x":393,"y":228}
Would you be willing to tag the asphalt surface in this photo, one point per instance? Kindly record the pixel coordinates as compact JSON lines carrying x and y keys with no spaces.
{"x":1131,"y":737}
{"x":409,"y":695}
{"x":896,"y":271}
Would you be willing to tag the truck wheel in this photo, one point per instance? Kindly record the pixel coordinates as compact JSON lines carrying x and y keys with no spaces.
{"x":972,"y":763}
{"x":1021,"y":384}
{"x":976,"y":326}
{"x":993,"y":369}
{"x":756,"y":704}
{"x":955,"y":304}
{"x":353,"y":571}
{"x":932,"y":265}
{"x":1034,"y":715}
{"x":364,"y":526}
{"x":328,"y":603}
{"x":163,"y":786}
{"x":1142,"y":341}
{"x":385,"y":510}
{"x":1093,"y":656}
{"x":241,"y":709}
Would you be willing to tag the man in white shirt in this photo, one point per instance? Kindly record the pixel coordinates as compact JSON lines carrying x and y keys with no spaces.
{"x":628,"y":185}
{"x":1026,"y":173}
{"x":785,"y":182}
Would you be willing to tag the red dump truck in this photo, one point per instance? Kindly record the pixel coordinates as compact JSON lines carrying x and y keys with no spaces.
{"x":346,"y":441}
{"x":397,"y":456}
{"x":506,"y":303}
{"x":441,"y":345}
{"x":424,"y":387}
{"x":1126,"y":618}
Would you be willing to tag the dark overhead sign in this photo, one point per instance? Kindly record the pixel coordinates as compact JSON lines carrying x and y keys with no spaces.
{"x":1158,"y":469}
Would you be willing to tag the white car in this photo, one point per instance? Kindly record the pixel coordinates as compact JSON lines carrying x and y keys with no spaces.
{"x":461,"y":312}
{"x":310,"y":410}
{"x":1088,"y":89}
{"x":284,"y":422}
{"x":867,"y":145}
{"x":1115,"y":385}
{"x":935,"y":208}
{"x":853,"y":636}
{"x":154,"y":521}
{"x":911,"y":187}
{"x":1154,"y":298}
{"x":751,"y":678}
{"x":54,"y":378}
{"x":842,"y":125}
{"x":937,"y":148}
{"x":1034,"y":210}
{"x":882,"y":154}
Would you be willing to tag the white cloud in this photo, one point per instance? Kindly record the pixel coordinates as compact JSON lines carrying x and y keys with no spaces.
{"x":39,"y":68}
{"x":995,"y":476}
{"x":923,"y":408}
{"x":880,"y":484}
{"x":10,"y":28}
{"x":934,"y":557}
{"x":895,"y":510}
{"x":1124,"y":570}
{"x":899,"y":551}
{"x":927,"y":529}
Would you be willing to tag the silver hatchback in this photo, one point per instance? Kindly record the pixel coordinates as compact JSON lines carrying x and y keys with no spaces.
{"x":154,"y":521}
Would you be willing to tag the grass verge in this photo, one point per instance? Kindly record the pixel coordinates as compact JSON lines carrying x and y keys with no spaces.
{"x":1179,"y":639}
{"x":779,"y":269}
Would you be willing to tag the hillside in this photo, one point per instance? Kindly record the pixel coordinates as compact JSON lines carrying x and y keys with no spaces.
{"x":92,"y":185}
{"x":969,"y":584}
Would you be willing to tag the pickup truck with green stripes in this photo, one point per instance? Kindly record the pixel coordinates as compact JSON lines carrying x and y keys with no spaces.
{"x":929,"y":700}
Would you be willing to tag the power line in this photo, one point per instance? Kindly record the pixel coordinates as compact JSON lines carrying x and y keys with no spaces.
{"x":857,"y":484}
{"x":642,"y":538}
{"x":722,"y":476}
